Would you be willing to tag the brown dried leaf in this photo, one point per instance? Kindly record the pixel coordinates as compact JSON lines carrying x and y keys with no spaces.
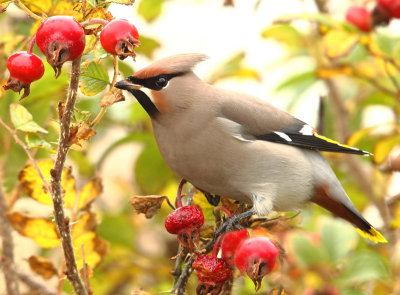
{"x":80,"y":132}
{"x":3,"y":7}
{"x":42,"y":266}
{"x":148,"y":205}
{"x":392,"y":164}
{"x":41,"y":230}
{"x":112,"y":97}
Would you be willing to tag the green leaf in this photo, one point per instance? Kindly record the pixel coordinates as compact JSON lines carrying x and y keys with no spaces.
{"x":147,"y":46}
{"x":109,"y":223}
{"x":364,"y":266}
{"x":386,"y":44}
{"x":125,"y":69}
{"x":92,"y":3}
{"x":300,"y":81}
{"x":284,"y":33}
{"x":234,"y":67}
{"x":35,"y":141}
{"x":151,"y":172}
{"x":379,"y":98}
{"x":338,"y":238}
{"x":307,"y":253}
{"x":23,"y":120}
{"x":94,"y":77}
{"x":396,"y":52}
{"x":150,"y":9}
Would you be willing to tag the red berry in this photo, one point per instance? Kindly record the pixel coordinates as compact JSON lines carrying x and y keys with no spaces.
{"x":392,"y":6}
{"x":186,"y":222}
{"x":212,"y":272}
{"x":119,"y":37}
{"x":24,"y":68}
{"x":256,"y":257}
{"x":360,"y":17}
{"x":230,"y":243}
{"x":61,"y":38}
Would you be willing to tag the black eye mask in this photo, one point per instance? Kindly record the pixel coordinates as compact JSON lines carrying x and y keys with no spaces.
{"x":155,"y":83}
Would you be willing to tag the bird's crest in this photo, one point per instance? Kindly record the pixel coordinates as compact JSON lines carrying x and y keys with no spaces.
{"x":179,"y":63}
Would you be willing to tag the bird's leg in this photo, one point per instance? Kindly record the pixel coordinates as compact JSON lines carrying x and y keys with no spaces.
{"x":212,"y":198}
{"x":232,"y":221}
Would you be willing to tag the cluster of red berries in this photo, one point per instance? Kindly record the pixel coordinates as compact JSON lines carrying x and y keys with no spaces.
{"x":365,"y":20}
{"x":60,"y":39}
{"x":256,"y":256}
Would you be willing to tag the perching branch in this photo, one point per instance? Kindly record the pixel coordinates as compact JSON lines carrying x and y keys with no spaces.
{"x":7,"y":261}
{"x":56,"y":189}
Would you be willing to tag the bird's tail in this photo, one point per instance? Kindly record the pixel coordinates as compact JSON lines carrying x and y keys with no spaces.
{"x":372,"y":234}
{"x":364,"y":228}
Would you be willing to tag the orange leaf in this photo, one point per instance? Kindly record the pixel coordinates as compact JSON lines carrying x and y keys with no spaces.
{"x":42,"y":266}
{"x":41,"y":230}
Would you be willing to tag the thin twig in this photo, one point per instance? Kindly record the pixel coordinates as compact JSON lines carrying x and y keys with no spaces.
{"x":27,"y":151}
{"x":7,"y":264}
{"x":391,"y":77}
{"x":27,"y":10}
{"x":56,"y":173}
{"x":94,"y":21}
{"x":34,"y":285}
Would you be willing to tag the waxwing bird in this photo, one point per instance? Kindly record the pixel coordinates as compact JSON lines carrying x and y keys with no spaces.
{"x":238,"y":146}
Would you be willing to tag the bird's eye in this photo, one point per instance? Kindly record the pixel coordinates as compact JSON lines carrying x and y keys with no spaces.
{"x":161,"y":82}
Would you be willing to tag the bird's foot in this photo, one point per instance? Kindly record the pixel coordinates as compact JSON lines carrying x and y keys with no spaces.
{"x":232,"y":222}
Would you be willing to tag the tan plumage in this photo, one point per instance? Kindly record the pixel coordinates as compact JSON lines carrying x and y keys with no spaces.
{"x":239,"y":146}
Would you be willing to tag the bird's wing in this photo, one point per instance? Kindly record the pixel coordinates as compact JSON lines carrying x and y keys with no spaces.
{"x":260,"y":120}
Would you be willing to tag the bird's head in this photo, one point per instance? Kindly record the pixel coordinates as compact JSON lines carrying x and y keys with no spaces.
{"x":170,"y":81}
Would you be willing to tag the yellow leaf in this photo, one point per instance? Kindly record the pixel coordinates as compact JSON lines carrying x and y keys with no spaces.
{"x":89,"y":193}
{"x":384,"y":147}
{"x":338,"y":43}
{"x":42,"y":266}
{"x":32,"y":184}
{"x":359,"y":135}
{"x":85,"y":223}
{"x":66,"y":7}
{"x":94,"y":248}
{"x":41,"y":230}
{"x":39,"y":7}
{"x":334,"y":71}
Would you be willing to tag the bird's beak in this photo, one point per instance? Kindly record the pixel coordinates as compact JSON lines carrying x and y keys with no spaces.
{"x":127,"y":85}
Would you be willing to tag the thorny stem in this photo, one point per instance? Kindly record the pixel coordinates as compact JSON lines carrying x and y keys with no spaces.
{"x":56,"y":173}
{"x":94,"y":21}
{"x":28,"y":152}
{"x":7,"y":261}
{"x":27,"y":10}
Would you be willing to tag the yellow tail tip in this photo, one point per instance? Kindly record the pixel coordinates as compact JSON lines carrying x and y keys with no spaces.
{"x":372,"y":234}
